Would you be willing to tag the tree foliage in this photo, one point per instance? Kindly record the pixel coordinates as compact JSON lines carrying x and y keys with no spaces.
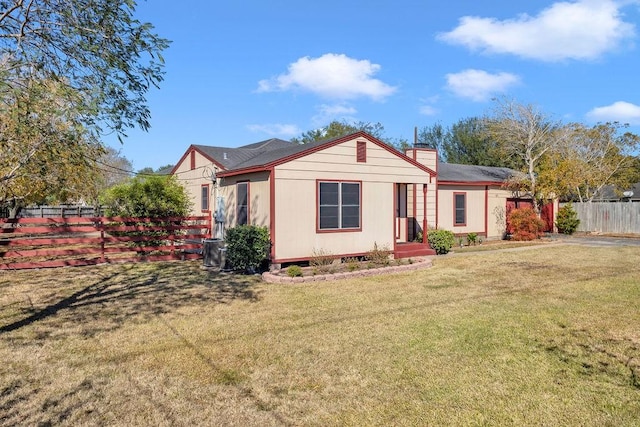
{"x":525,"y":224}
{"x":47,"y":155}
{"x":113,"y":169}
{"x":105,"y":58}
{"x":524,"y":134}
{"x":336,"y":129}
{"x":587,"y":159}
{"x":567,"y":219}
{"x":148,"y":196}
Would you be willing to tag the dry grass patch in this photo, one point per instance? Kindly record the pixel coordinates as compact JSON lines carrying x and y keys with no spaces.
{"x":543,"y":336}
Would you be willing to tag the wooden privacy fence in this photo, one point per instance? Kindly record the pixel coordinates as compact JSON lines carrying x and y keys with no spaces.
{"x":613,"y":217}
{"x":58,"y":242}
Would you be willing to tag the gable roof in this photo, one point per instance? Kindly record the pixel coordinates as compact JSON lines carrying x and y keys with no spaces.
{"x":274,"y":157}
{"x":451,"y":172}
{"x":228,"y":157}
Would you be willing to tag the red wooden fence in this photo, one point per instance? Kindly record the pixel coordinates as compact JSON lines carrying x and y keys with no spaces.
{"x":58,"y":242}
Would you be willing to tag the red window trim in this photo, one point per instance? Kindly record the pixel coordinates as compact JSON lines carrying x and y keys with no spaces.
{"x":248,"y":202}
{"x":460,"y":193}
{"x":208,"y":208}
{"x":361,"y":151}
{"x":336,"y":230}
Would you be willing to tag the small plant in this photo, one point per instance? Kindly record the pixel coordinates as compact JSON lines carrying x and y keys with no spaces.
{"x":441,"y":241}
{"x":352,"y":263}
{"x":322,"y":260}
{"x":526,"y":224}
{"x":472,"y":239}
{"x":567,"y":219}
{"x":460,"y":241}
{"x":418,"y":237}
{"x":378,"y":256}
{"x":294,"y":271}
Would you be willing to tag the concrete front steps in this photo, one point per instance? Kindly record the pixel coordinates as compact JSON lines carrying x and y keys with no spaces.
{"x":412,"y":249}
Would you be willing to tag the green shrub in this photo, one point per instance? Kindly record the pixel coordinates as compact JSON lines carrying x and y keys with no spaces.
{"x":247,"y":247}
{"x":441,"y":241}
{"x":294,"y":271}
{"x":525,"y":224}
{"x":472,"y":238}
{"x":567,"y":219}
{"x":147,"y":197}
{"x":378,"y":256}
{"x":353,"y":263}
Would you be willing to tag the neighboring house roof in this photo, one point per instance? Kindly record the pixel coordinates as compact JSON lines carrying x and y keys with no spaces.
{"x":608,"y":193}
{"x":274,"y":157}
{"x":451,"y":172}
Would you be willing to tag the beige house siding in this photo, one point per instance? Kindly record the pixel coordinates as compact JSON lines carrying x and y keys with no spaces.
{"x":193,"y":179}
{"x":475,"y":208}
{"x":296,"y":192}
{"x":497,"y":223}
{"x":259,"y":198}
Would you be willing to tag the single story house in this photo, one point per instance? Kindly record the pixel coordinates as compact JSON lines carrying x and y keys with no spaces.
{"x":344,"y":195}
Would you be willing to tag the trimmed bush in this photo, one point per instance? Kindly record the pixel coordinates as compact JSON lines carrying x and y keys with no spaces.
{"x":567,"y":219}
{"x":526,"y":224}
{"x":472,"y":238}
{"x":247,"y":247}
{"x":441,"y":241}
{"x":294,"y":271}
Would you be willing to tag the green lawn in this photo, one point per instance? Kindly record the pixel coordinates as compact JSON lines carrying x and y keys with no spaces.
{"x":541,"y":336}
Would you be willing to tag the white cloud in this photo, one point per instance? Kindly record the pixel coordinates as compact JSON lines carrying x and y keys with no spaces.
{"x":276,"y":129}
{"x":478,"y":85}
{"x":327,"y":113}
{"x":580,"y":30}
{"x":428,"y":110}
{"x":331,"y":76}
{"x":623,"y":112}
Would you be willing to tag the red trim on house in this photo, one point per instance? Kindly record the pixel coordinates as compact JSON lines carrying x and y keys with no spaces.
{"x":395,"y":217}
{"x":458,"y":193}
{"x":192,"y":156}
{"x":247,"y":182}
{"x":272,"y":211}
{"x":208,"y":207}
{"x":424,"y":218}
{"x":266,"y":166}
{"x":336,"y":230}
{"x":361,"y":151}
{"x":191,"y":149}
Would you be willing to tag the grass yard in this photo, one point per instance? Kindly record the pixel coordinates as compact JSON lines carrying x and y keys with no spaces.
{"x":542,"y":336}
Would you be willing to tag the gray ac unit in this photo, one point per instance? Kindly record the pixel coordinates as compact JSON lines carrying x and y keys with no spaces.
{"x":213,"y":253}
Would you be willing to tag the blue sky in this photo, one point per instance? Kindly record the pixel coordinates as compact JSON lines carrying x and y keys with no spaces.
{"x":244,"y":71}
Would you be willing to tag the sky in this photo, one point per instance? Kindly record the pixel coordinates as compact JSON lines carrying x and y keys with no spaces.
{"x":239,"y":72}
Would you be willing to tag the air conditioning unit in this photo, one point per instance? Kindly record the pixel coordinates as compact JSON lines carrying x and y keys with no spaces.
{"x":213,"y":253}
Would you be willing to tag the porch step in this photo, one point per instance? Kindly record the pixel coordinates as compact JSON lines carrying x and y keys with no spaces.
{"x":408,"y":250}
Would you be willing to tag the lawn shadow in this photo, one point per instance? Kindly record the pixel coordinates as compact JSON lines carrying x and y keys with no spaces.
{"x":105,"y":297}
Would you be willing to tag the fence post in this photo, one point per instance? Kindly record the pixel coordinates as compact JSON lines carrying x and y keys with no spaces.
{"x":100,"y":224}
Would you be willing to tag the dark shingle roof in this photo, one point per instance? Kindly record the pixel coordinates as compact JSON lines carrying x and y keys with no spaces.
{"x":230,"y":158}
{"x":472,"y":173}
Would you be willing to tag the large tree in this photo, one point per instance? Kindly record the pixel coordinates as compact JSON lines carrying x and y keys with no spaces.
{"x":587,"y":159}
{"x":525,"y":135}
{"x":94,"y":47}
{"x":46,"y":155}
{"x":70,"y":71}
